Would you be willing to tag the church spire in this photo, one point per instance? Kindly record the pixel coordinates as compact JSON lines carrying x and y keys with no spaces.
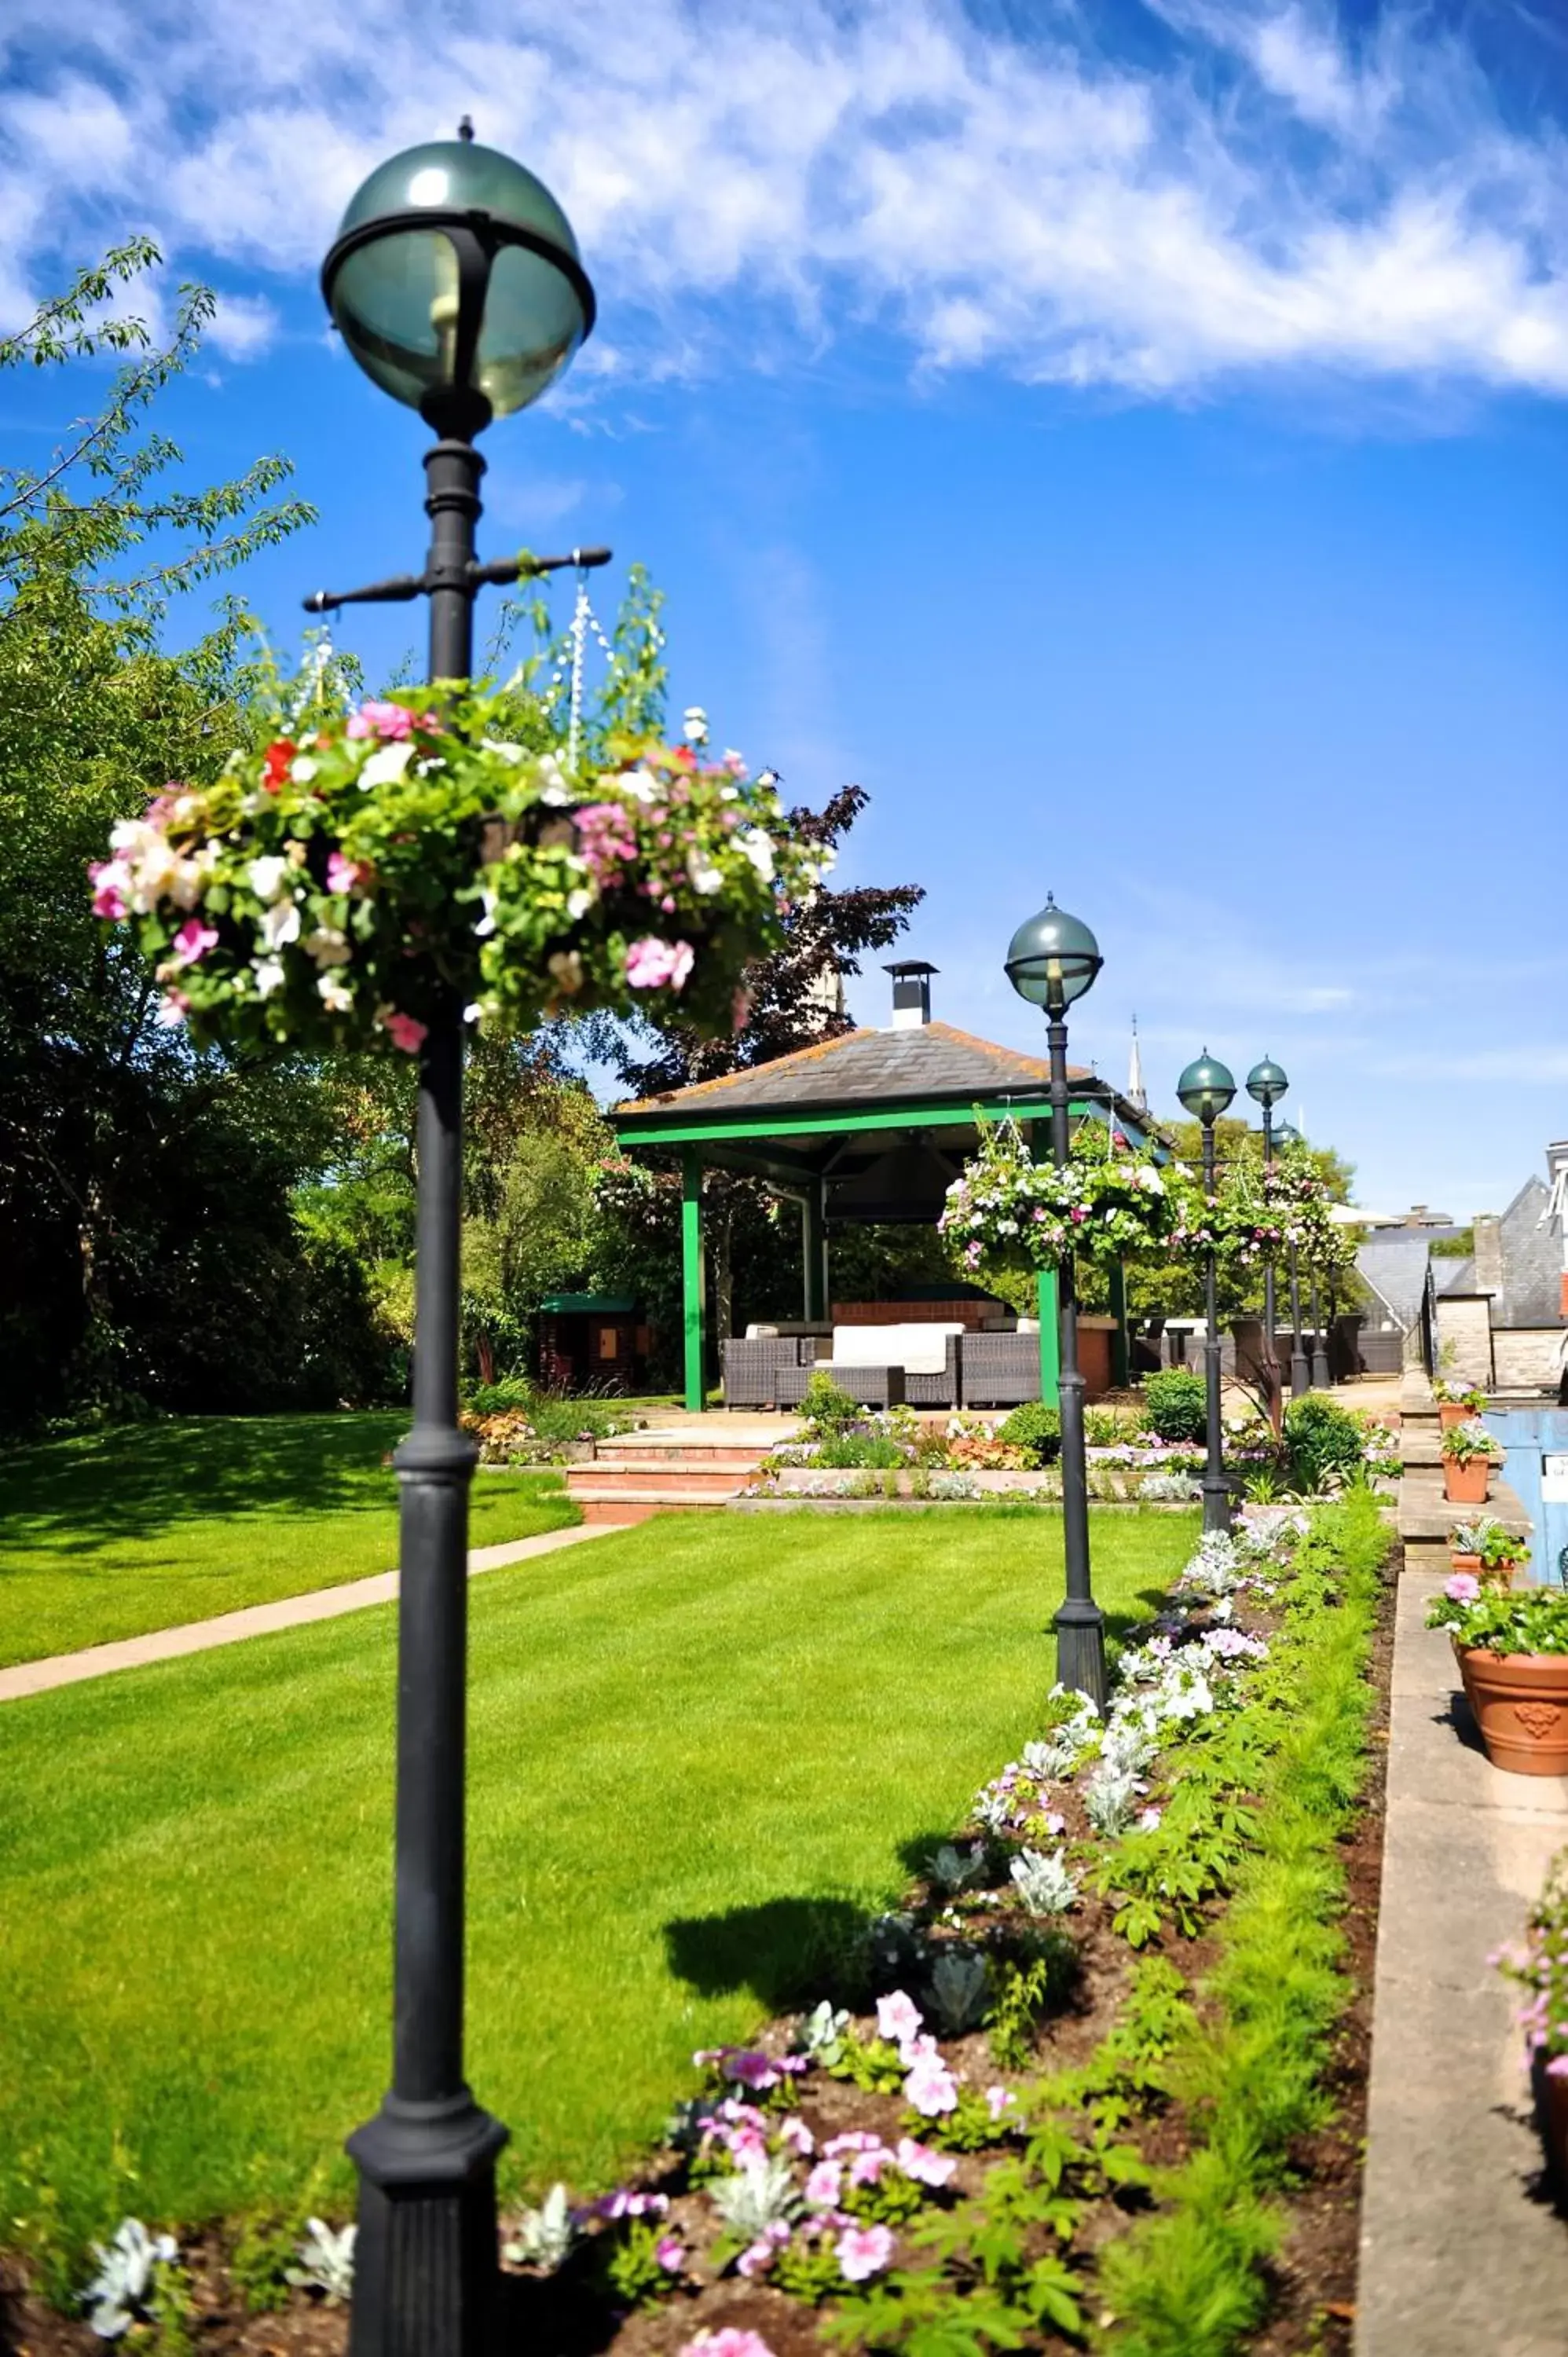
{"x":1136,"y":1094}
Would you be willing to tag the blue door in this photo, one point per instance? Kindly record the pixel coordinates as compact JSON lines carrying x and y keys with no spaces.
{"x":1535,"y":1441}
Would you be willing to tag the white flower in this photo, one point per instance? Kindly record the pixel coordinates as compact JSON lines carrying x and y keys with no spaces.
{"x":554,"y":790}
{"x":641,"y":784}
{"x":486,"y":924}
{"x":335,"y":995}
{"x":280,"y":924}
{"x":269,"y":975}
{"x":579,"y":905}
{"x":705,"y":878}
{"x":265,"y":876}
{"x":695,"y":727}
{"x":759,"y":849}
{"x":387,"y":764}
{"x":328,"y":946}
{"x":303,"y":768}
{"x":498,"y":745}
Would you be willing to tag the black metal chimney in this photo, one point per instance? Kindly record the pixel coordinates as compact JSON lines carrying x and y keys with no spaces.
{"x":911,"y":992}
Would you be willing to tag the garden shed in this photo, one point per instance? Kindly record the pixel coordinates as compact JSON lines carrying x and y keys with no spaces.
{"x":591,"y":1342}
{"x":868,"y":1125}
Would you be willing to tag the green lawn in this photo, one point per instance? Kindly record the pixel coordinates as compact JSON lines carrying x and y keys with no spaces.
{"x":110,"y":1533}
{"x":699,"y":1749}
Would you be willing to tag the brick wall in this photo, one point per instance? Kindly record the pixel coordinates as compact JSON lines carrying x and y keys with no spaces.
{"x":1463,"y":1320}
{"x":1529,"y":1358}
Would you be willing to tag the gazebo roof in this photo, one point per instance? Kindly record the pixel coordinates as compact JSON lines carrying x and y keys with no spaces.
{"x":825,"y":1112}
{"x":867,"y":1068}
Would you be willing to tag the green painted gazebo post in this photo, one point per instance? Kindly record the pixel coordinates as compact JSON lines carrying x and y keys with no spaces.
{"x":814,"y":1243}
{"x":1048,"y":1304}
{"x":693,"y":1281}
{"x":1120,"y":1349}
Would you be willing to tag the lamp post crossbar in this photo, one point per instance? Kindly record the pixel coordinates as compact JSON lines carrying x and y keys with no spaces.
{"x":401,"y":587}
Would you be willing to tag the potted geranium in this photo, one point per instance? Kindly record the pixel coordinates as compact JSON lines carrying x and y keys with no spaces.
{"x":1486,"y":1548}
{"x":1541,"y":1969}
{"x":1511,"y":1646}
{"x":1469,"y":1451}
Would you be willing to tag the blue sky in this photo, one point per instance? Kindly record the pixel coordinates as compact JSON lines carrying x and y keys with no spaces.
{"x":1127,"y":438}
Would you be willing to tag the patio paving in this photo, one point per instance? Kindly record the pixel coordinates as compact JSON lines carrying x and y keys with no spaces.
{"x":1461,"y":2252}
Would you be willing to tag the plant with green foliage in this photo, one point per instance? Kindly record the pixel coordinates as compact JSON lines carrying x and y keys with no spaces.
{"x":1175,"y":1404}
{"x":1036,"y":1428}
{"x":1107,"y":1203}
{"x":1462,"y":1443}
{"x":1325,"y":1444}
{"x":1501,"y":1621}
{"x":1541,"y":1969}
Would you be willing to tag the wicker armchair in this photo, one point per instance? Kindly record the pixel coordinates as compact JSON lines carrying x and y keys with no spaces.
{"x":938,"y":1390}
{"x":1000,"y":1369}
{"x":752,"y":1369}
{"x":869,"y":1387}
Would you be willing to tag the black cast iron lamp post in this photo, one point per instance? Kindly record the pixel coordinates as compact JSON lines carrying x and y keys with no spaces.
{"x":1205,"y":1088}
{"x":1051,"y":961}
{"x":1266,"y":1084}
{"x":456,"y":284}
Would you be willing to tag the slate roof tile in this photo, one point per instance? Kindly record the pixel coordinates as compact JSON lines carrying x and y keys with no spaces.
{"x":874,"y":1068}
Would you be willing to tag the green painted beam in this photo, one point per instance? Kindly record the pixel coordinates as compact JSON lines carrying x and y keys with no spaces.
{"x":1050,"y":1309}
{"x":814,"y":1247}
{"x":693,"y":1282}
{"x":844,"y":1124}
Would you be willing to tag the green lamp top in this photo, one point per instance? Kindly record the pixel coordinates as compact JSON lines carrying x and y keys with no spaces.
{"x":1052,"y":958}
{"x":1205,"y":1088}
{"x":1266,"y":1083}
{"x":437,"y":229}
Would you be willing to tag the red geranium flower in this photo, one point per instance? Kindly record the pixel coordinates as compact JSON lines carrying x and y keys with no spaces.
{"x":275,"y":768}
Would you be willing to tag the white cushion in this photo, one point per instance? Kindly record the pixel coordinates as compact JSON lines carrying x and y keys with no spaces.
{"x":919,"y":1350}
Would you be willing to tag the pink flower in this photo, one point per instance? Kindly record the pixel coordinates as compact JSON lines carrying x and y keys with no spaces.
{"x":1558,"y":2067}
{"x":1462,"y":1587}
{"x":653,"y":964}
{"x":193,"y":940}
{"x":867,"y":2167}
{"x":731,"y":2343}
{"x":863,"y":2251}
{"x":344,"y":874}
{"x":172,"y":1010}
{"x":824,"y":2185}
{"x":797,"y":2137}
{"x":899,"y":2020}
{"x":109,"y":878}
{"x":999,"y":2099}
{"x":925,"y":2167}
{"x":406,"y":1033}
{"x":758,"y":2256}
{"x":930,"y":2087}
{"x":391,"y":722}
{"x":670,"y":2253}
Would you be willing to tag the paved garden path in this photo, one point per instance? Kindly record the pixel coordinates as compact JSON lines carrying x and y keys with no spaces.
{"x":259,"y":1619}
{"x":1461,"y":2255}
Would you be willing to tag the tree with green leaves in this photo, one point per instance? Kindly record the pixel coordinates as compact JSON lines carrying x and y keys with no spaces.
{"x":146,"y":1234}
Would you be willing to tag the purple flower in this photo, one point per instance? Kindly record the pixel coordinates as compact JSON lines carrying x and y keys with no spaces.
{"x":1462,"y":1587}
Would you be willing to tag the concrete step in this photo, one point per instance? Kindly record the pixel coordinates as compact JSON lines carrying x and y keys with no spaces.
{"x":1425,"y":1513}
{"x":748,"y":1451}
{"x":619,"y":1514}
{"x":657,"y":1474}
{"x":646,"y":1498}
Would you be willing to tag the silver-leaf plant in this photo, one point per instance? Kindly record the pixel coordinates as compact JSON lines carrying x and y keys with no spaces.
{"x":544,"y":2236}
{"x":1044,"y":1883}
{"x":956,"y":1870}
{"x":120,"y":2293}
{"x":326,"y":2256}
{"x":762,"y":2195}
{"x":960,"y":1986}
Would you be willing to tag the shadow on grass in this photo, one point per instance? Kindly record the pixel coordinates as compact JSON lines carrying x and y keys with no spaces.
{"x":76,"y":1494}
{"x":783,"y":1950}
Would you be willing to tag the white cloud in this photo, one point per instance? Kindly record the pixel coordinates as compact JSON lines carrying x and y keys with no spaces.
{"x":243,"y":327}
{"x":749,"y":181}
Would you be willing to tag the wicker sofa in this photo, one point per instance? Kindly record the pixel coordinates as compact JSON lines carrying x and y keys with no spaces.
{"x":1000,"y":1369}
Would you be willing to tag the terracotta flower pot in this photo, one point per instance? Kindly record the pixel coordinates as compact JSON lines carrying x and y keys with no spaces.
{"x":1519,"y":1702}
{"x":1450,"y":1413}
{"x":1464,"y":1480}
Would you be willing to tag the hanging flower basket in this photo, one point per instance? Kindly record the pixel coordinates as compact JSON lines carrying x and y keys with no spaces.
{"x":1009,"y":1214}
{"x":336,"y":889}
